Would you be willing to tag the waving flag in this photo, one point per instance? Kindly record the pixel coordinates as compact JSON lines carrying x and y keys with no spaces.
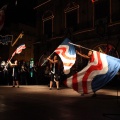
{"x":99,"y":71}
{"x":19,"y":49}
{"x":67,"y":54}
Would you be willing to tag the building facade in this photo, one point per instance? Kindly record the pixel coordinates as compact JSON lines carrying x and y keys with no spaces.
{"x":28,"y":37}
{"x":94,"y":25}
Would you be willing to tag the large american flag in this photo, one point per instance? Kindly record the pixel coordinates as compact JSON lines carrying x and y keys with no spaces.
{"x":99,"y":71}
{"x":67,"y":54}
{"x":19,"y":49}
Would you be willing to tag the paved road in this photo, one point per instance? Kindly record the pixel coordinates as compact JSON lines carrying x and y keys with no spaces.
{"x":40,"y":103}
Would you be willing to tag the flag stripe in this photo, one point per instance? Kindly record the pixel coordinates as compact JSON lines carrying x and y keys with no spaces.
{"x":67,"y":54}
{"x":92,"y":68}
{"x":74,"y":82}
{"x":68,"y":64}
{"x":62,"y":50}
{"x":19,"y":49}
{"x":99,"y":71}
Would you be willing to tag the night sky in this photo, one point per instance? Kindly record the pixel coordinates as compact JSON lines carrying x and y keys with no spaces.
{"x":19,"y":11}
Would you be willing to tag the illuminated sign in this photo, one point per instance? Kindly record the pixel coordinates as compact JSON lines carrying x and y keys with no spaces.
{"x":6,"y":39}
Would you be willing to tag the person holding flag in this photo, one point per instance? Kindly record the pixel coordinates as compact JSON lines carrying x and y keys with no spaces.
{"x":89,"y":57}
{"x":15,"y":65}
{"x":54,"y":71}
{"x":15,"y":73}
{"x":67,"y":54}
{"x":99,"y":71}
{"x":17,"y":51}
{"x":85,"y":56}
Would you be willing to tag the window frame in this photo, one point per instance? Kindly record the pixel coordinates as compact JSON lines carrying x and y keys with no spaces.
{"x":44,"y":19}
{"x":70,"y":8}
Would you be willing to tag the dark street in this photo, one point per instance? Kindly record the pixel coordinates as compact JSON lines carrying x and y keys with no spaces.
{"x":40,"y":103}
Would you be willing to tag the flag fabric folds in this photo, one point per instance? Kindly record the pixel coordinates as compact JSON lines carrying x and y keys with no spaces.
{"x":67,"y":54}
{"x":19,"y":49}
{"x":99,"y":71}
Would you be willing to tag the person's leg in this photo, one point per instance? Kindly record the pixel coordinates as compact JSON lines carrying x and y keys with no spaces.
{"x":94,"y":94}
{"x":51,"y":83}
{"x":17,"y":83}
{"x":13,"y":83}
{"x":57,"y":81}
{"x":82,"y":94}
{"x":57,"y":84}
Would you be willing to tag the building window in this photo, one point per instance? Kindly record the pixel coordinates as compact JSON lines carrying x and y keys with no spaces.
{"x":115,"y":10}
{"x":72,"y":16}
{"x":102,"y":10}
{"x":48,"y":24}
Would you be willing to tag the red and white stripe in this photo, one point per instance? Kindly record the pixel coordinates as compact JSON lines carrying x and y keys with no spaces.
{"x":19,"y":49}
{"x":68,"y":59}
{"x":81,"y":81}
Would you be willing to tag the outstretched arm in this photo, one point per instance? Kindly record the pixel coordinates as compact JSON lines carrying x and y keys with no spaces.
{"x":12,"y":64}
{"x":82,"y":55}
{"x":55,"y":61}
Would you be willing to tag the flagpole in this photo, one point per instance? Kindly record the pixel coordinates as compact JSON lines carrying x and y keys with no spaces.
{"x":23,"y":47}
{"x":46,"y":59}
{"x":80,"y":46}
{"x":7,"y":64}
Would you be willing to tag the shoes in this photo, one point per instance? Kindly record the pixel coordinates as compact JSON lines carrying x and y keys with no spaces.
{"x":94,"y":95}
{"x":50,"y":89}
{"x":58,"y":88}
{"x":82,"y":94}
{"x":14,"y":86}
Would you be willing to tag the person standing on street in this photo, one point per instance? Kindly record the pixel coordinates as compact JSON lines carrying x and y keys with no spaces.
{"x":54,"y":71}
{"x":15,"y":73}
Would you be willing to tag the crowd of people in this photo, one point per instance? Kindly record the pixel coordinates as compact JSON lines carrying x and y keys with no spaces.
{"x":16,"y":73}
